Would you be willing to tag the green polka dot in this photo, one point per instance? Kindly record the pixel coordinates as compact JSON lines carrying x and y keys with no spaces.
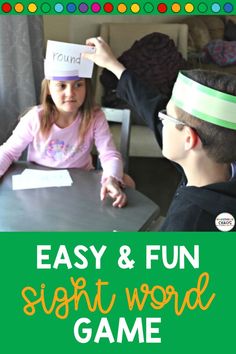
{"x":202,"y":7}
{"x":148,"y":7}
{"x":45,"y":7}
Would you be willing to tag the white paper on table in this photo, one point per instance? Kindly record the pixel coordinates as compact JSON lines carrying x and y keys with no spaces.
{"x":30,"y":179}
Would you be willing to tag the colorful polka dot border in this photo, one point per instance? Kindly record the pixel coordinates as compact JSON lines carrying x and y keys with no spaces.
{"x":116,"y":7}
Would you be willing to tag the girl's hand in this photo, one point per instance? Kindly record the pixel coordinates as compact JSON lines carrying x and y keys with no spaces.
{"x":111,"y":187}
{"x":103,"y":56}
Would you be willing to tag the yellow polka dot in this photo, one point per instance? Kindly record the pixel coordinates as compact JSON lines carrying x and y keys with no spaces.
{"x":175,"y":7}
{"x":189,"y":7}
{"x":135,"y":8}
{"x":32,"y":7}
{"x":19,"y":7}
{"x":122,"y":8}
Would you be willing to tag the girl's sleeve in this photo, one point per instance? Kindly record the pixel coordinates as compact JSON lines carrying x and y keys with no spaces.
{"x":110,"y":158}
{"x":143,"y":101}
{"x":21,"y":136}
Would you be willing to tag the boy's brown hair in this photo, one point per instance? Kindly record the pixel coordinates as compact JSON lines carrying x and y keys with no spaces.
{"x":218,"y":142}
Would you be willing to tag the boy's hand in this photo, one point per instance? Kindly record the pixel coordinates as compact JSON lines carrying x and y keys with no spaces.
{"x":103,"y":56}
{"x":111,"y":187}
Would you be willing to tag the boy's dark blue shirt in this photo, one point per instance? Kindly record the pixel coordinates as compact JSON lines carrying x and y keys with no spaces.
{"x":192,"y":208}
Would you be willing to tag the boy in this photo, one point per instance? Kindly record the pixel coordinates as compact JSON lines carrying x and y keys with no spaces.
{"x":197,"y":131}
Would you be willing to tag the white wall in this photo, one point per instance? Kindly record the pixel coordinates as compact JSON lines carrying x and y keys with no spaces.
{"x":76,"y":29}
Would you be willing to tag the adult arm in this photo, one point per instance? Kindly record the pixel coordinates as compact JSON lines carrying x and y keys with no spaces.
{"x":130,"y":89}
{"x":142,"y":100}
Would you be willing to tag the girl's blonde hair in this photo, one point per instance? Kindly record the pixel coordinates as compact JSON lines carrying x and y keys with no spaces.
{"x":49,"y":112}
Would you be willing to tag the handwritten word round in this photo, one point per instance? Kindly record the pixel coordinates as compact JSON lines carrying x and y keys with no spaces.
{"x":124,"y":262}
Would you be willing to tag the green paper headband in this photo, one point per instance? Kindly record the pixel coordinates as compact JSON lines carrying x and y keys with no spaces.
{"x":205,"y":103}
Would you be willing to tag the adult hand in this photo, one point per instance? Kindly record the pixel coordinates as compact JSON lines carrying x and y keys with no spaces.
{"x":103,"y":56}
{"x":111,"y":187}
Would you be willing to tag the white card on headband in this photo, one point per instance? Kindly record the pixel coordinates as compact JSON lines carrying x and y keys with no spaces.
{"x":64,"y":61}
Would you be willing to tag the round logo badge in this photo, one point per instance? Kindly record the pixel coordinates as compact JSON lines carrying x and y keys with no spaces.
{"x":225,"y":222}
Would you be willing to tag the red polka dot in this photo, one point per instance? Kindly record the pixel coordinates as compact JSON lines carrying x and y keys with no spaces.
{"x":108,"y":7}
{"x":162,"y":8}
{"x":6,"y":7}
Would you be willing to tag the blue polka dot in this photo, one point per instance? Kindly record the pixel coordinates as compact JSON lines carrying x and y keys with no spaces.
{"x":228,"y":7}
{"x":215,"y":7}
{"x":71,"y":7}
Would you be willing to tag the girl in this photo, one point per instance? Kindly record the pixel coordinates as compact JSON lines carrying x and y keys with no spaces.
{"x":61,"y":131}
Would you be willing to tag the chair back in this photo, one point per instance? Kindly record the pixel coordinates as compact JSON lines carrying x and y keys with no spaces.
{"x":121,"y":117}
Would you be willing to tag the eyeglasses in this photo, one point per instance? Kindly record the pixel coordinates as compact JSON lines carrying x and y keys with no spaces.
{"x":162,"y":116}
